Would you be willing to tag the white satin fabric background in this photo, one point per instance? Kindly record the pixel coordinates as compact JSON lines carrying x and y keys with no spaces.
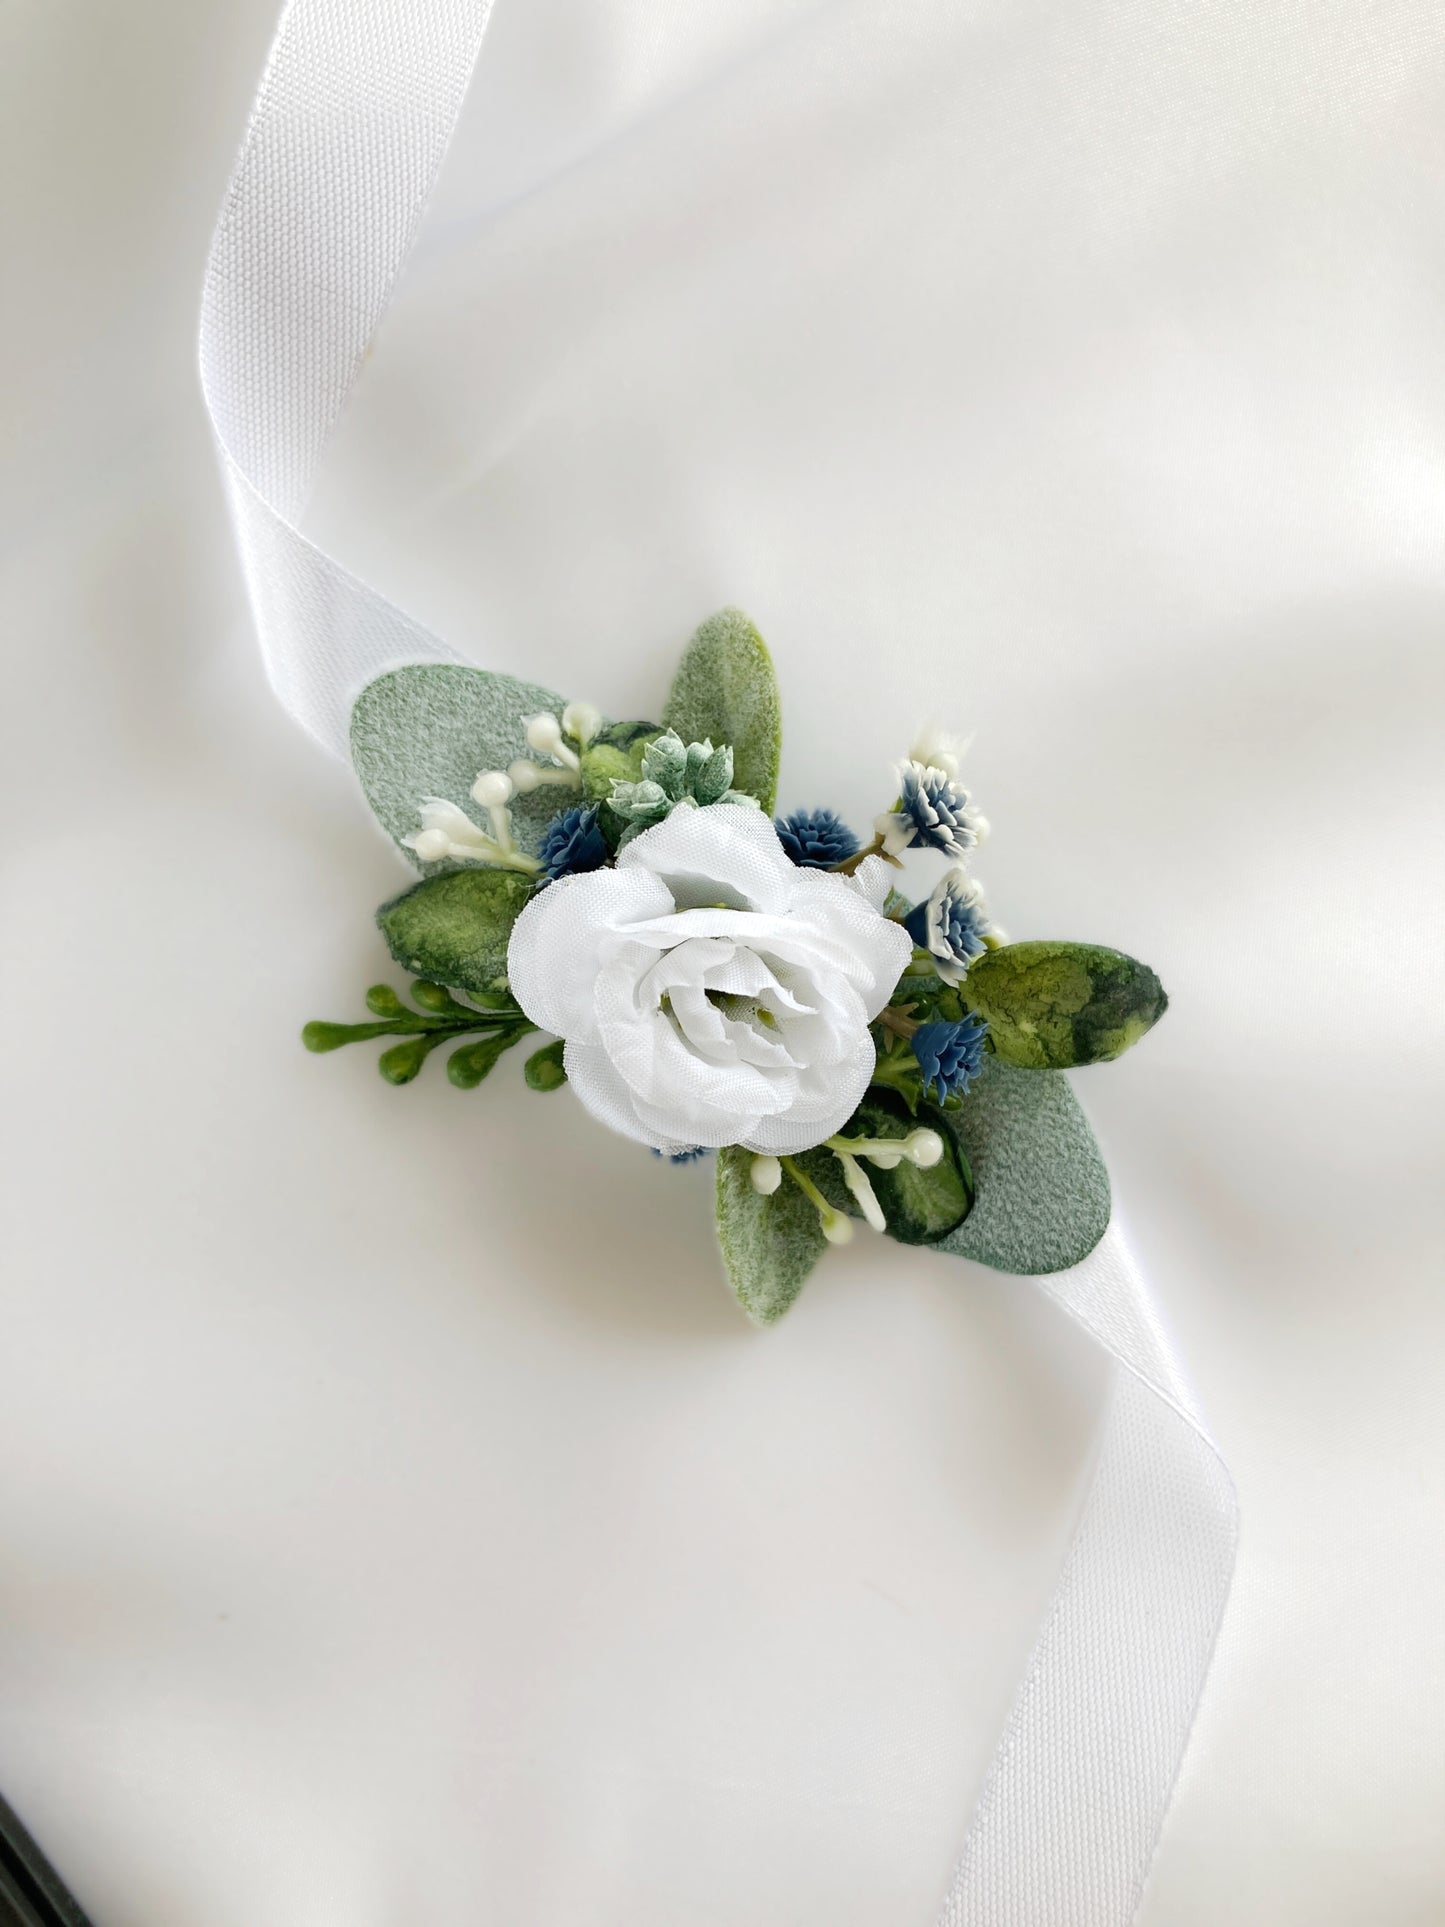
{"x":382,"y":1540}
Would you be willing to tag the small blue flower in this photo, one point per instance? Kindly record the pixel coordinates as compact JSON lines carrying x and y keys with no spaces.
{"x":950,"y":1055}
{"x":933,"y":812}
{"x":951,"y":925}
{"x":684,"y":1157}
{"x":815,"y":839}
{"x":572,"y":843}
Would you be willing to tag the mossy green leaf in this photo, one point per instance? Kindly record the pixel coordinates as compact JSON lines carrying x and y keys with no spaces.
{"x":1041,"y":1188}
{"x":454,"y":928}
{"x":1054,"y":1005}
{"x":769,"y":1245}
{"x":430,"y":729}
{"x":725,"y":691}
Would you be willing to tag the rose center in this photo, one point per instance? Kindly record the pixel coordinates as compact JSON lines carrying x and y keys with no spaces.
{"x":742,"y":1010}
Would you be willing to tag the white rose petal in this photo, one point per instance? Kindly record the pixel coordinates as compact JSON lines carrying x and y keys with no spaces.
{"x":710,"y":991}
{"x":873,"y":879}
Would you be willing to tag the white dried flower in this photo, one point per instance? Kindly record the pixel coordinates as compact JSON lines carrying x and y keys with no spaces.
{"x":581,"y":721}
{"x":766,"y":1174}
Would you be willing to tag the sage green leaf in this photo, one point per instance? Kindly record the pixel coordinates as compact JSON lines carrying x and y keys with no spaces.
{"x":1041,"y":1190}
{"x":454,"y":928}
{"x":725,"y":691}
{"x":769,"y":1245}
{"x":1053,"y":1005}
{"x":430,"y":729}
{"x":544,"y":1070}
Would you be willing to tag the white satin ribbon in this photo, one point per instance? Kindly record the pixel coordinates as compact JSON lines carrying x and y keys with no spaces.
{"x":348,"y":133}
{"x":1075,"y":1798}
{"x":355,"y":109}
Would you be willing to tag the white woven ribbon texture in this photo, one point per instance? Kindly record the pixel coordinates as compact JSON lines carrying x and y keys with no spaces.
{"x":349,"y":131}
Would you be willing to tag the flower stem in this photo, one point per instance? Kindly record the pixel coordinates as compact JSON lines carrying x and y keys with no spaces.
{"x":836,"y":1228}
{"x":849,"y":865}
{"x":806,"y":1185}
{"x":895,"y":1021}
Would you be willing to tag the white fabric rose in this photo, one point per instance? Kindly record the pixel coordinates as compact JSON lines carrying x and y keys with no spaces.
{"x":709,"y":991}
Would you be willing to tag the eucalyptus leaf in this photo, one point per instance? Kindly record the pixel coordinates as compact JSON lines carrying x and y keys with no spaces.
{"x":1041,"y":1188}
{"x":430,"y":729}
{"x":725,"y":691}
{"x":769,"y":1244}
{"x":454,"y":928}
{"x":1053,"y":1005}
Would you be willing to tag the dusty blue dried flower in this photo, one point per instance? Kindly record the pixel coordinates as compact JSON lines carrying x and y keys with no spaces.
{"x":950,"y":926}
{"x":684,"y":1157}
{"x":816,"y":839}
{"x":572,"y":843}
{"x":933,"y":812}
{"x":950,"y":1055}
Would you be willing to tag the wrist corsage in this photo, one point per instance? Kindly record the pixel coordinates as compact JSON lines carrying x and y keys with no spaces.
{"x":714,"y":980}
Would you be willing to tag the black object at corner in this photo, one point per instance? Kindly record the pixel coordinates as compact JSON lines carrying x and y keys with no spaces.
{"x":31,"y":1892}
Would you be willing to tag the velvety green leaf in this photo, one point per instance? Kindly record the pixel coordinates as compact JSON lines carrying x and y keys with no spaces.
{"x":454,"y":928}
{"x":544,"y":1070}
{"x":1053,"y":1005}
{"x":430,"y":729}
{"x":920,"y":1206}
{"x":1041,"y":1190}
{"x":769,"y":1245}
{"x":725,"y":691}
